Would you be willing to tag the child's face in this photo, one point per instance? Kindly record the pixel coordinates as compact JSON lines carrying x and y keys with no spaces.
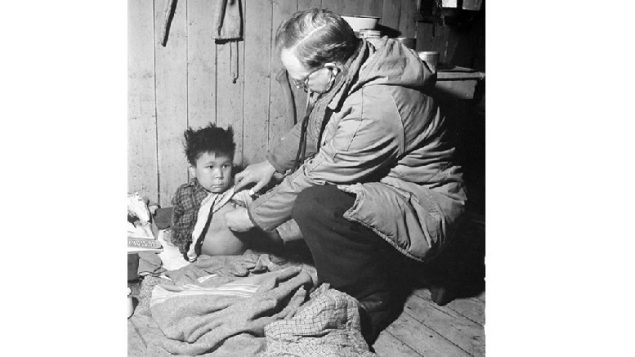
{"x":213,"y":172}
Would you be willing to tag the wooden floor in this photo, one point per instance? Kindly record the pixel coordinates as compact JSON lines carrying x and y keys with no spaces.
{"x":423,"y":329}
{"x":456,"y":329}
{"x":426,"y":329}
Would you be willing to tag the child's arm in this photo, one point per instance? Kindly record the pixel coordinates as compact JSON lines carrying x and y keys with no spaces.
{"x":180,"y":236}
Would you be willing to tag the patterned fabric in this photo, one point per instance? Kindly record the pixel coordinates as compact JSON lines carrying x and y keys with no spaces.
{"x":186,"y":201}
{"x":328,"y":325}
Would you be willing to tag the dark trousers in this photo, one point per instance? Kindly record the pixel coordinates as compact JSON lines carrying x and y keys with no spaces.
{"x":347,"y":255}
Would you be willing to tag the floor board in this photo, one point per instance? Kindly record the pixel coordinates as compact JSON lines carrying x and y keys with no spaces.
{"x":388,"y":345}
{"x":423,"y":339}
{"x":463,"y":332}
{"x":471,"y":308}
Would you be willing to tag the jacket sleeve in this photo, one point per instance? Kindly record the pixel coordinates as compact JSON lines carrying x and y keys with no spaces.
{"x":360,"y":146}
{"x":282,"y":155}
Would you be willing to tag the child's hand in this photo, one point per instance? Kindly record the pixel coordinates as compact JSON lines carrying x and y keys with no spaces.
{"x":238,"y":220}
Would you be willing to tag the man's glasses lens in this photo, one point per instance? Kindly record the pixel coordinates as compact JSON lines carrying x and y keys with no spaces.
{"x":304,"y":84}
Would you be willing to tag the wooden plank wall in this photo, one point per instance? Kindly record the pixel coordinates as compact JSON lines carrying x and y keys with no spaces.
{"x":194,"y":80}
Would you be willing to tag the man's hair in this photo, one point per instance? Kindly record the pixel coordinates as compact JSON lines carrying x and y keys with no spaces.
{"x":208,"y":139}
{"x":319,"y":36}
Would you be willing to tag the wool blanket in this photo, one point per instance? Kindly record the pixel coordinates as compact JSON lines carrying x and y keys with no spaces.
{"x":251,"y":305}
{"x":199,"y":319}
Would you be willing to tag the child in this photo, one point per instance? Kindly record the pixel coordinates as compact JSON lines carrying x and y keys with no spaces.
{"x":200,"y":205}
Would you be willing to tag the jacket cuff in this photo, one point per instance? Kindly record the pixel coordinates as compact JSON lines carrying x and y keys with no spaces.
{"x":252,"y":218}
{"x":289,"y":231}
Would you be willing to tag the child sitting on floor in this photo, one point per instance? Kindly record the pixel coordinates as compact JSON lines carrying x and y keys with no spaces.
{"x":198,"y":221}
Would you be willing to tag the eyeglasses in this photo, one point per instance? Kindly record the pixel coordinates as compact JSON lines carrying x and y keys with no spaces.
{"x":304,"y":84}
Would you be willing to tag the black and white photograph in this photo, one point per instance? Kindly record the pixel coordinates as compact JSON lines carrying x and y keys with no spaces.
{"x":317,"y":178}
{"x":306,"y":178}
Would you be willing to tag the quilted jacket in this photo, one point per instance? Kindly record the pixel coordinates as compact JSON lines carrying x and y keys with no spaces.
{"x":386,"y":141}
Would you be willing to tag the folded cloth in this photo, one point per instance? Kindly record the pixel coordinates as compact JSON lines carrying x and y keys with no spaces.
{"x":171,"y":257}
{"x":327,"y":325}
{"x":149,"y":264}
{"x":228,"y":21}
{"x":200,"y":318}
{"x":207,"y":266}
{"x":163,"y":217}
{"x":225,"y":265}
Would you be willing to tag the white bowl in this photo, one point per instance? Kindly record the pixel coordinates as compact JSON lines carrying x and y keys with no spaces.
{"x":358,"y":23}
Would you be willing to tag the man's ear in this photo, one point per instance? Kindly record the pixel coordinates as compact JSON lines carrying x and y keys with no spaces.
{"x":332,"y":67}
{"x":192,"y":171}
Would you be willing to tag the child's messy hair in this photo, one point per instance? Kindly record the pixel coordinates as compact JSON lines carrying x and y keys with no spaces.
{"x":208,"y":139}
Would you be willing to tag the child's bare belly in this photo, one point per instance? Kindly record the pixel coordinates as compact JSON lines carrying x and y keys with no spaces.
{"x":219,"y":239}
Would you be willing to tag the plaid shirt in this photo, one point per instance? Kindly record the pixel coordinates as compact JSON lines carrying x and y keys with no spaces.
{"x":186,"y":201}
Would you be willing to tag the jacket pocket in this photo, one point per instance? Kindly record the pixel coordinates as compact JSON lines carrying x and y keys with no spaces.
{"x":428,"y":212}
{"x":409,"y":223}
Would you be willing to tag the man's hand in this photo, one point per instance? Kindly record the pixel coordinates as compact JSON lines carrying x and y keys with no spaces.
{"x":260,"y":174}
{"x":238,"y":220}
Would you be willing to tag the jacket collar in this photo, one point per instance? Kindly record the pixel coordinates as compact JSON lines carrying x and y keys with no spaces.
{"x":355,"y":64}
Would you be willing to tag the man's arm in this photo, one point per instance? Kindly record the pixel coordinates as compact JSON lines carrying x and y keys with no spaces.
{"x":360,"y":147}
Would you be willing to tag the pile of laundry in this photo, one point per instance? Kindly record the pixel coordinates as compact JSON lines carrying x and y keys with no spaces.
{"x":247,"y":305}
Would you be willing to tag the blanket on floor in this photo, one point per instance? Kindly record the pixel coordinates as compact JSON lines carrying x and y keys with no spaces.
{"x":251,"y":305}
{"x":200,"y":319}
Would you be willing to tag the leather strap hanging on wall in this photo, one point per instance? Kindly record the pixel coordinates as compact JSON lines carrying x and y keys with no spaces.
{"x":233,"y":60}
{"x":168,"y":15}
{"x":228,"y":22}
{"x":227,"y":25}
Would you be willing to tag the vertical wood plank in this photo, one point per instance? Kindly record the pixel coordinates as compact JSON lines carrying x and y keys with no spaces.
{"x":309,"y":4}
{"x":201,"y":58}
{"x":390,"y":13}
{"x":352,"y":8}
{"x":433,"y":37}
{"x":407,"y":18}
{"x":280,"y":116}
{"x":371,"y":8}
{"x":142,"y":140}
{"x":171,"y":100}
{"x":337,"y":6}
{"x":229,"y":101}
{"x":257,"y":73}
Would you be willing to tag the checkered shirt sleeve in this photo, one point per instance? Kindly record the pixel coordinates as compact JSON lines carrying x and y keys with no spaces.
{"x":186,"y":202}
